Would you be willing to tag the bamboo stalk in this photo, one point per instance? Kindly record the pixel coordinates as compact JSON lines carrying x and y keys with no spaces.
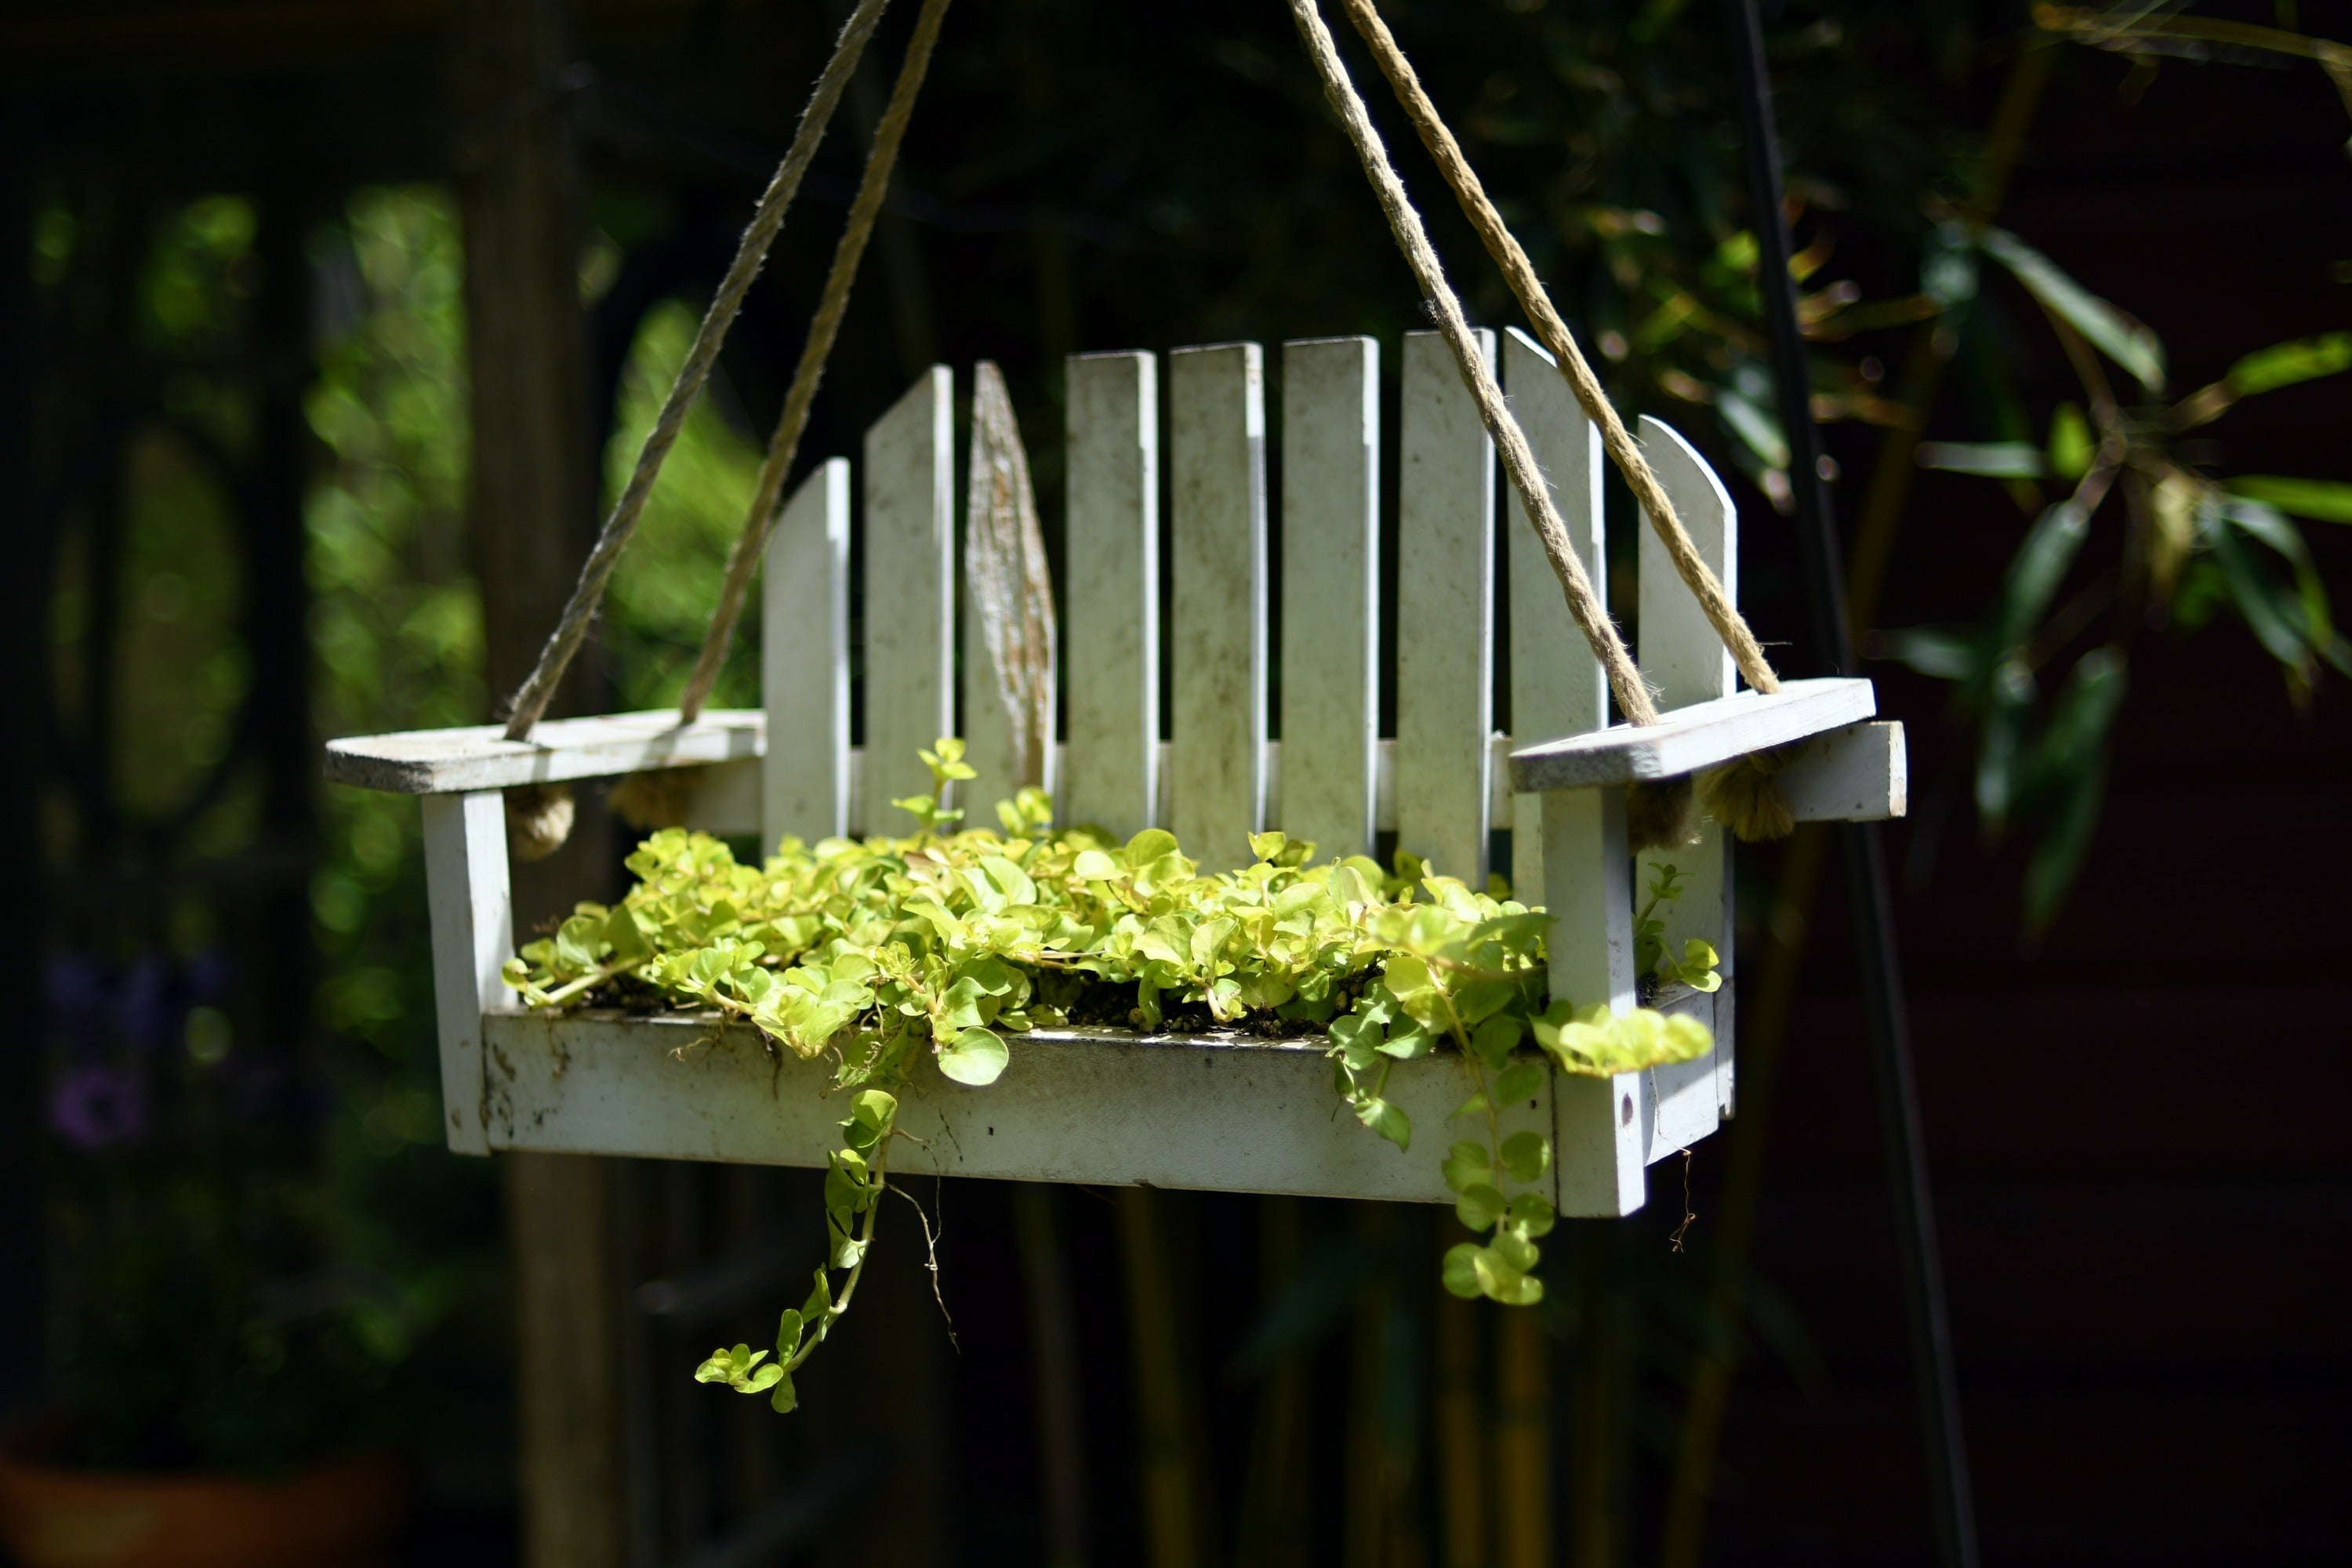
{"x":1523,"y":1534}
{"x":1461,"y":1433}
{"x":1173,"y":1499}
{"x":1275,"y":1517}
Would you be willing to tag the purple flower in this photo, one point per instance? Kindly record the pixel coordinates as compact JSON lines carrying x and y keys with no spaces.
{"x":94,"y":1107}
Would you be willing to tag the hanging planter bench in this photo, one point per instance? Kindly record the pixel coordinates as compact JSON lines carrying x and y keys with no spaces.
{"x":1220,"y":1111}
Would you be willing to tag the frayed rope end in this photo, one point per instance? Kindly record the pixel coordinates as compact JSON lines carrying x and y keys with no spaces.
{"x":1743,"y":797}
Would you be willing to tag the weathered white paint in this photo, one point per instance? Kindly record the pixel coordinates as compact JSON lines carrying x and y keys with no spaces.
{"x":1445,"y":612}
{"x":1216,"y":408}
{"x":1330,"y":593}
{"x":1859,"y":774}
{"x":479,"y":756}
{"x":1687,"y":663}
{"x":1689,"y":739}
{"x":1104,"y":1106}
{"x":1089,"y":1106}
{"x":804,"y":662}
{"x":472,"y":917}
{"x":1600,"y":1137}
{"x":1557,"y":685}
{"x":909,"y":594}
{"x":1852,"y":774}
{"x":1110,"y":626}
{"x":724,"y":799}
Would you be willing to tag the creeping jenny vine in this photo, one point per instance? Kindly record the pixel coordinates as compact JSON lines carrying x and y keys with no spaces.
{"x":880,"y":953}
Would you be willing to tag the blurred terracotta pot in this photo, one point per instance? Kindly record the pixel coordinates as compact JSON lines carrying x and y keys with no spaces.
{"x":342,"y":1513}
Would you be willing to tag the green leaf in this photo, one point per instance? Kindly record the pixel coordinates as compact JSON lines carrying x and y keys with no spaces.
{"x":1467,"y":1166}
{"x":2110,"y":331}
{"x":1479,"y":1205}
{"x":1409,"y":1044}
{"x":1493,"y":1041}
{"x":2284,"y":365}
{"x":1517,"y":1081}
{"x":1997,"y":459}
{"x":2322,"y":501}
{"x":1518,"y":1253}
{"x":788,"y":1333}
{"x":1460,"y":1271}
{"x":2057,"y":859}
{"x":1526,"y":1156}
{"x":1094,"y":866}
{"x":976,"y":1059}
{"x":783,"y":1400}
{"x":1149,"y":846}
{"x":1933,"y":651}
{"x":1267,"y":846}
{"x":2071,"y":450}
{"x":1532,"y":1213}
{"x":1387,"y":1119}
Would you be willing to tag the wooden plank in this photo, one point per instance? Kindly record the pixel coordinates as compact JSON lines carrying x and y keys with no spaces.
{"x":724,"y":799}
{"x":1098,"y":1107}
{"x":1331,"y":592}
{"x":804,"y":662}
{"x":909,"y":596}
{"x":1111,"y":627}
{"x":1216,"y":408}
{"x":1701,"y":736}
{"x":1557,"y":687}
{"x":1597,"y":1135}
{"x":1687,"y":663}
{"x":1445,"y":612}
{"x":479,"y":756}
{"x":472,"y":921}
{"x":1859,"y":774}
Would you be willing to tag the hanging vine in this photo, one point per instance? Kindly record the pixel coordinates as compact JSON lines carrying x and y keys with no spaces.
{"x":882,"y":952}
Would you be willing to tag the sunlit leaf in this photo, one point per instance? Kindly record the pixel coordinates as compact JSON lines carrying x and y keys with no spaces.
{"x":2284,"y":365}
{"x":2322,"y":501}
{"x":1998,"y":459}
{"x":2114,"y":334}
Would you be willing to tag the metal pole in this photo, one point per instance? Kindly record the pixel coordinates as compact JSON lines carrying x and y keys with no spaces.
{"x":1865,"y":862}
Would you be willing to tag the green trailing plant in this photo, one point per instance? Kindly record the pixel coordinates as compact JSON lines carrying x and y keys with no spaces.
{"x":883,"y":952}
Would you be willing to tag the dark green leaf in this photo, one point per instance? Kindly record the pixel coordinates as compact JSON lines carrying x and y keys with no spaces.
{"x":2114,"y":334}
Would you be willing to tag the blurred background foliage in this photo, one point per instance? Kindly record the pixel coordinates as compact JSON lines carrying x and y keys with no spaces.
{"x":1083,"y":177}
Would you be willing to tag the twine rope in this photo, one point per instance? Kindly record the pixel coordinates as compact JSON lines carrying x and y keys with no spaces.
{"x":530,"y":699}
{"x":1592,"y":617}
{"x":783,"y":447}
{"x":1533,"y":299}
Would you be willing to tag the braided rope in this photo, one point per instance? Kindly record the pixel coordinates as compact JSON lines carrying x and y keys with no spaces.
{"x":530,"y":699}
{"x":1721,"y":613}
{"x":1592,"y":617}
{"x":783,"y":447}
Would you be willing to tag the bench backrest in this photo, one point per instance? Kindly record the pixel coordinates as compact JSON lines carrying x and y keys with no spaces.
{"x":1220,"y":776}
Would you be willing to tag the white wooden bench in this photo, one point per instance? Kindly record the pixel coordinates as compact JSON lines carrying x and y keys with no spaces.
{"x":1096,"y":1106}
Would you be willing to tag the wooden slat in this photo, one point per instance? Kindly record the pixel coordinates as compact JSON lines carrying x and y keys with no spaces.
{"x":1330,"y":590}
{"x":472,"y":919}
{"x":909,"y":596}
{"x":1687,"y":663}
{"x":1557,"y":685}
{"x":1445,"y":612}
{"x":1855,"y":774}
{"x":1693,"y":738}
{"x":1599,"y":1131}
{"x":479,"y":756}
{"x":1216,"y":406}
{"x":804,"y":662}
{"x":1106,"y":1107}
{"x":1859,"y":774}
{"x":1110,"y":629}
